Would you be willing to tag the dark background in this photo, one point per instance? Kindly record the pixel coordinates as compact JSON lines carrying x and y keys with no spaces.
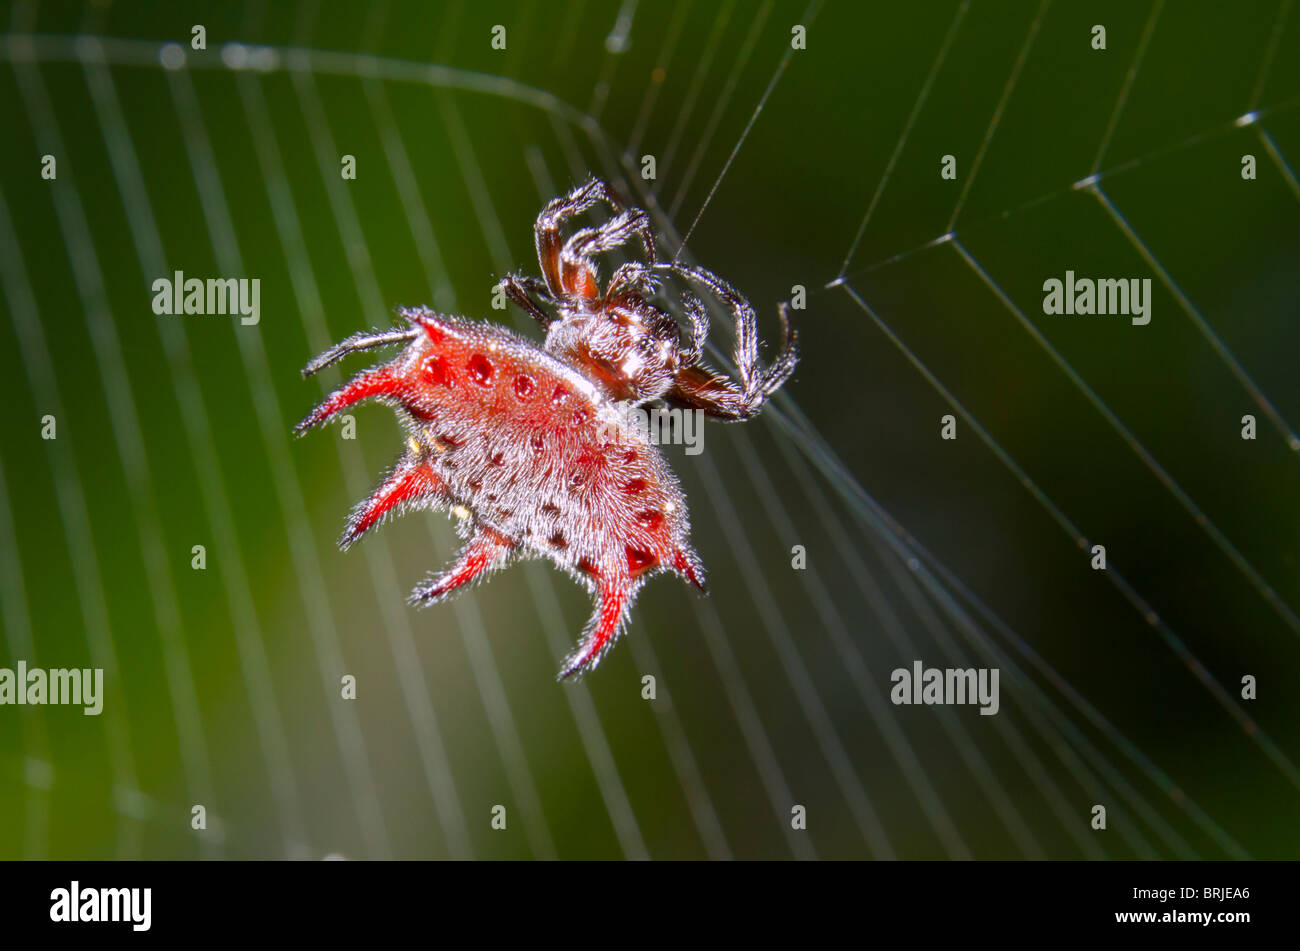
{"x":773,"y":692}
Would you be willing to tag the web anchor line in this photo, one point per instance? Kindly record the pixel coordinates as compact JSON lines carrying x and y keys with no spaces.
{"x":809,"y":15}
{"x":1224,"y":127}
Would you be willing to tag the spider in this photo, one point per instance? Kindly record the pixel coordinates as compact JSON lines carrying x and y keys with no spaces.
{"x":526,"y":445}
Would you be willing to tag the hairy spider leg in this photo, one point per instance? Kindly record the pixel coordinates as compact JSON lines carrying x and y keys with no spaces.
{"x":381,"y":381}
{"x":634,"y":281}
{"x":529,"y":293}
{"x":780,"y":369}
{"x":412,"y":480}
{"x":701,"y":388}
{"x":546,"y":231}
{"x":634,"y":277}
{"x":564,"y":266}
{"x":485,"y":551}
{"x":746,"y":352}
{"x":690,"y":353}
{"x":577,"y":272}
{"x":356,"y":343}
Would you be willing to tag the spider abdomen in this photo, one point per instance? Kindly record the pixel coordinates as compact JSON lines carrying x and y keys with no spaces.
{"x":549,"y":465}
{"x":533,"y":457}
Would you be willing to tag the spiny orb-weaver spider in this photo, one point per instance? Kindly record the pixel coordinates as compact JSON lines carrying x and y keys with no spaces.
{"x":525,"y":443}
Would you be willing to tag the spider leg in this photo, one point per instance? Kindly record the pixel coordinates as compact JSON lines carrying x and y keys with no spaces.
{"x":640,"y":280}
{"x":634,"y":277}
{"x":779,"y":370}
{"x":546,"y":231}
{"x":690,"y":353}
{"x":356,"y":343}
{"x":614,"y":594}
{"x":582,"y":246}
{"x":485,"y":551}
{"x":746,"y":353}
{"x":411,"y":480}
{"x":698,"y":387}
{"x":528,"y":293}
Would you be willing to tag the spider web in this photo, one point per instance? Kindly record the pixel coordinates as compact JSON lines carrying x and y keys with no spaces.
{"x":223,"y":685}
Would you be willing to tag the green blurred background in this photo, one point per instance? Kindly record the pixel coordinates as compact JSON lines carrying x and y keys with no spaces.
{"x":174,"y":432}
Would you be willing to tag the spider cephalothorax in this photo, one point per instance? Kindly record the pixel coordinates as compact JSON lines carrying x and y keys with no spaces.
{"x":526,"y":444}
{"x":632,"y":349}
